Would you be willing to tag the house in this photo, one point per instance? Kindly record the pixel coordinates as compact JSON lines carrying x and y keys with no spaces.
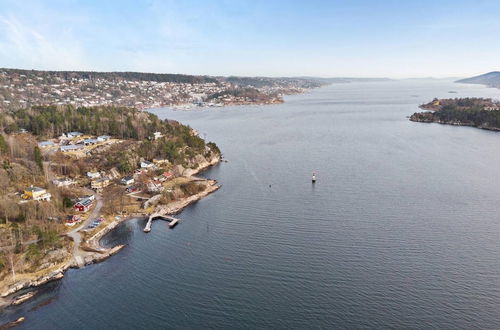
{"x":103,"y":138}
{"x":45,"y":144}
{"x":91,"y":197}
{"x":72,"y":220}
{"x":64,"y":182}
{"x":168,"y":175}
{"x":146,"y":164}
{"x":127,"y":180}
{"x":156,"y":136}
{"x":89,"y":142}
{"x":83,"y":205}
{"x":99,"y":183}
{"x":74,"y":134}
{"x":93,"y":175}
{"x":37,"y":194}
{"x":154,"y":186}
{"x":71,"y":147}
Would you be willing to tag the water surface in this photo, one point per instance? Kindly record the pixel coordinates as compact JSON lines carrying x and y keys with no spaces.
{"x":400,"y":231}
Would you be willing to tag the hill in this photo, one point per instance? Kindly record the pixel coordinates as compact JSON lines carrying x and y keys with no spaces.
{"x":491,"y":79}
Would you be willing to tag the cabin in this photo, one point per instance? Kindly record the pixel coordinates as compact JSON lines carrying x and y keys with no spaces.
{"x":146,"y":164}
{"x":83,"y":205}
{"x":99,"y":183}
{"x":37,"y":194}
{"x":127,"y":180}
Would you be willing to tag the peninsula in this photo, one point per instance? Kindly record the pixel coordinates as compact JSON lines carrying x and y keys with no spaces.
{"x":477,"y":112}
{"x":69,"y":175}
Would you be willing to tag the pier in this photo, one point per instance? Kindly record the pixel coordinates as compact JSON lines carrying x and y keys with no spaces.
{"x":172,"y":221}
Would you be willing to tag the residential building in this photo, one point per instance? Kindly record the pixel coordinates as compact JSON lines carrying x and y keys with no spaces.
{"x":99,"y":183}
{"x":146,"y":164}
{"x":127,"y":180}
{"x":37,"y":194}
{"x":83,"y":205}
{"x":93,"y":175}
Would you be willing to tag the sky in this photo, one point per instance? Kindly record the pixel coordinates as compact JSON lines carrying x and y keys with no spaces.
{"x":378,"y":38}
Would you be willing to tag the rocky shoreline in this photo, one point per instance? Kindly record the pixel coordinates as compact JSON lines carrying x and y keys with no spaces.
{"x":99,"y":253}
{"x":423,"y":117}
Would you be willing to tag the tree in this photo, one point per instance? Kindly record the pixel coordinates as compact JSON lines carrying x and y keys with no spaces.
{"x":4,"y":147}
{"x":38,"y":158}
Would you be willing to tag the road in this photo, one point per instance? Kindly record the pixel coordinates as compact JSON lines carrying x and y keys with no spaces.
{"x":79,"y":254}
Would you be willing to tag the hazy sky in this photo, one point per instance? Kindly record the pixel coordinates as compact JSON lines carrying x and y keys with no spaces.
{"x":274,"y":38}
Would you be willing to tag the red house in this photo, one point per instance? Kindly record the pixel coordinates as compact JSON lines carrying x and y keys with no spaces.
{"x":83,"y":205}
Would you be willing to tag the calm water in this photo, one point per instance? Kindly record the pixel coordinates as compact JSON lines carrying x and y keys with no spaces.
{"x":402,"y":229}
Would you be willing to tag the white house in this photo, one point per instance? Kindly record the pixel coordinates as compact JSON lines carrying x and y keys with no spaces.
{"x":127,"y":180}
{"x":157,"y":135}
{"x":93,"y":175}
{"x":103,"y":138}
{"x":146,"y":164}
{"x":45,"y":144}
{"x":64,"y":182}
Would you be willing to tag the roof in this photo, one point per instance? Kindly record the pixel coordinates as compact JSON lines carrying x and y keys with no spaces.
{"x":71,"y":147}
{"x":75,"y":133}
{"x":104,"y":137}
{"x":84,"y":202}
{"x":90,"y":141}
{"x":34,"y":189}
{"x":45,"y":143}
{"x":147,"y":162}
{"x":128,"y":177}
{"x":101,"y":180}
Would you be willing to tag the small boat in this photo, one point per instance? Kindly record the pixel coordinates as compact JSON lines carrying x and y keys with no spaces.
{"x":314,"y":178}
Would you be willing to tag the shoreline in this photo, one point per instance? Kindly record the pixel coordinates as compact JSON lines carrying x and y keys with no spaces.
{"x":453,"y":123}
{"x":93,"y":244}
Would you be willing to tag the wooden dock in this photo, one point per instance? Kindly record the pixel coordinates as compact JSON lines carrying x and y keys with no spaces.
{"x":155,"y":216}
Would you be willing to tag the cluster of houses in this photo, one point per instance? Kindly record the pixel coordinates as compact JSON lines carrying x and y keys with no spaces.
{"x":66,"y":142}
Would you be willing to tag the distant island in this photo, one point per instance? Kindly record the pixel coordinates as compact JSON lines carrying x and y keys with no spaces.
{"x":25,"y":88}
{"x":477,"y":112}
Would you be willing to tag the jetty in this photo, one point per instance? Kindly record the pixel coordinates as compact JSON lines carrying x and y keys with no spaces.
{"x":155,"y":216}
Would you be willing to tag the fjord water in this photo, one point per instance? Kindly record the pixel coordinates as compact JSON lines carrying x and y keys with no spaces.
{"x":402,"y":229}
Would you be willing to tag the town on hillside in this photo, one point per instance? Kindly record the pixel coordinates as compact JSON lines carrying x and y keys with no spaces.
{"x":25,"y":88}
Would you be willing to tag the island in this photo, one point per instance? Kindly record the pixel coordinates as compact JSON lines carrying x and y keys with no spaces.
{"x":69,"y":175}
{"x":477,"y":112}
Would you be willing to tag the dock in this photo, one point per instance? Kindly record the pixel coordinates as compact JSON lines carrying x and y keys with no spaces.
{"x":155,"y":216}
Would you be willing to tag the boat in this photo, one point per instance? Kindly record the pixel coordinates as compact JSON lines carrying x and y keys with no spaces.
{"x":314,"y":178}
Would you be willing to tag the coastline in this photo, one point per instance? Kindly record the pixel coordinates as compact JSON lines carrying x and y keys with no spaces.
{"x":93,"y":244}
